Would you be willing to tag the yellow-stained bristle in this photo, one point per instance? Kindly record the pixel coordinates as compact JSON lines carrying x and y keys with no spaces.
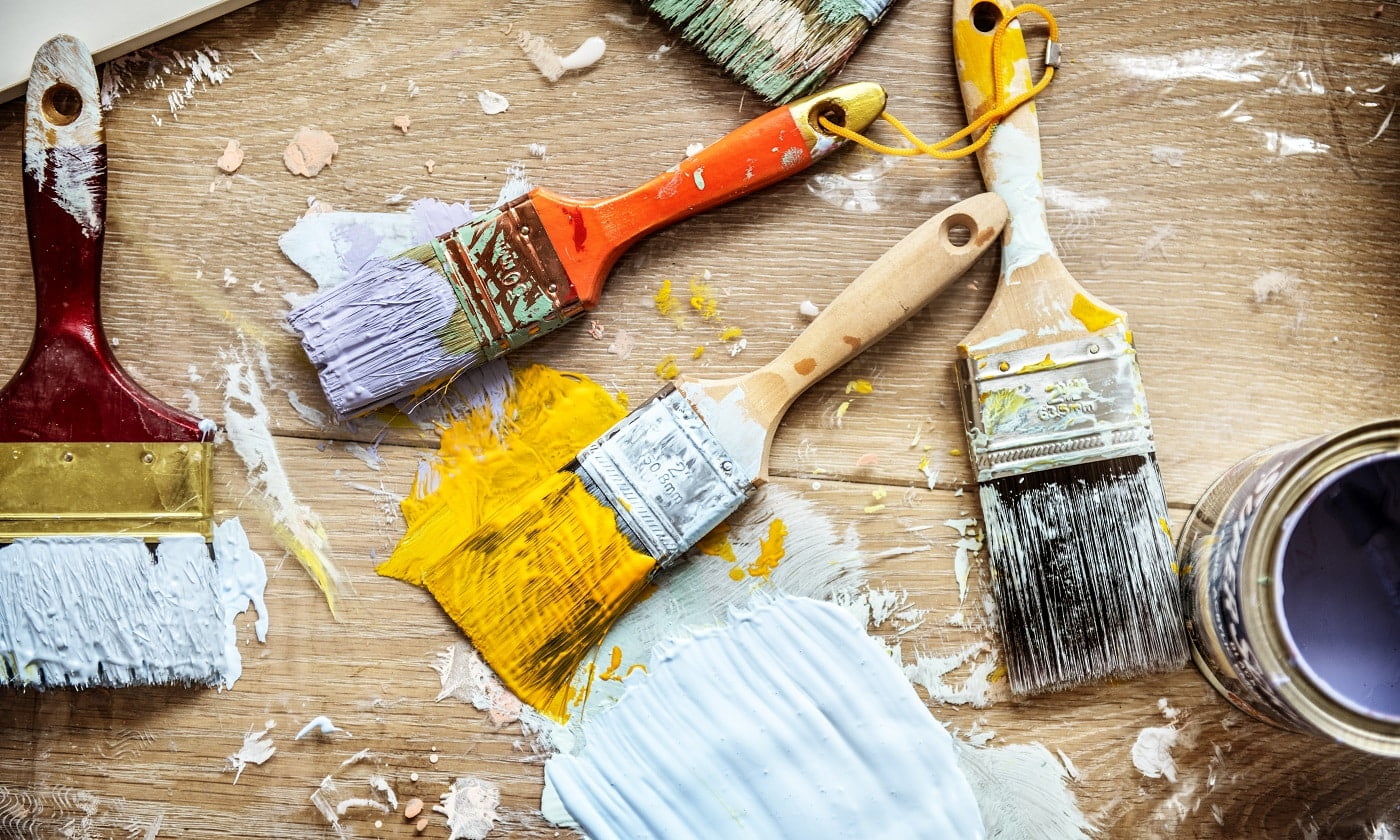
{"x":425,"y":254}
{"x":538,"y":586}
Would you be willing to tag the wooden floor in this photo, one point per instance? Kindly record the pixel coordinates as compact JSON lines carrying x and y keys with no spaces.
{"x":1166,"y":202}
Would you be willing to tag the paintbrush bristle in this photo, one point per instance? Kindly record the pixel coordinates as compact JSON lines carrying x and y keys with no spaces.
{"x":394,"y":329}
{"x":1083,"y":569}
{"x":779,"y":50}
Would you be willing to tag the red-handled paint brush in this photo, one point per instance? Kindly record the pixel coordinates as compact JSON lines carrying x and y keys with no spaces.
{"x":88,"y":453}
{"x":533,"y":264}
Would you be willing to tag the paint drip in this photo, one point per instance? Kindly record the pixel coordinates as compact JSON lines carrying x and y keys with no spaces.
{"x":733,"y":763}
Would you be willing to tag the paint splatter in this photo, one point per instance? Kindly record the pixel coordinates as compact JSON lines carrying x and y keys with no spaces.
{"x":750,"y":771}
{"x":321,"y":724}
{"x":1288,"y":145}
{"x":310,"y":151}
{"x":976,"y":691}
{"x":770,"y":552}
{"x":232,"y":158}
{"x":1152,"y":752}
{"x":666,"y":368}
{"x":257,"y":749}
{"x":465,"y":677}
{"x":492,"y":103}
{"x":403,"y":122}
{"x":151,"y":68}
{"x":1274,"y":285}
{"x":470,"y":807}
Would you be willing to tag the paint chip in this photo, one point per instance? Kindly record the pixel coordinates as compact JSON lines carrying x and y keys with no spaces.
{"x":232,"y":158}
{"x":808,"y":310}
{"x":310,"y":151}
{"x":666,"y":368}
{"x":320,"y":724}
{"x":1152,"y":752}
{"x":402,"y":122}
{"x":492,"y":103}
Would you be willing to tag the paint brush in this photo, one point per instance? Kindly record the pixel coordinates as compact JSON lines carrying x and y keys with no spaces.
{"x":531,"y":265}
{"x":1058,"y":430}
{"x":539,"y":584}
{"x":779,"y":49}
{"x":94,"y":467}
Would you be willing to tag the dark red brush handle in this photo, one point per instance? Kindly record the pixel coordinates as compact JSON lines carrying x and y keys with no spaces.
{"x":70,"y":387}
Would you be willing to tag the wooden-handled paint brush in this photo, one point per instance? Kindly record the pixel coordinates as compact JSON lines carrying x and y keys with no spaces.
{"x":1057,"y":426}
{"x":527,"y":267}
{"x":538,"y":585}
{"x":93,"y":466}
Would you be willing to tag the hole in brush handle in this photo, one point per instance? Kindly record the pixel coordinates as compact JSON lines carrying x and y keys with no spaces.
{"x":62,"y":104}
{"x":985,"y":16}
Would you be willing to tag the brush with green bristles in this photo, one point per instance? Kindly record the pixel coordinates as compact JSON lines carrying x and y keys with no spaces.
{"x":779,"y":49}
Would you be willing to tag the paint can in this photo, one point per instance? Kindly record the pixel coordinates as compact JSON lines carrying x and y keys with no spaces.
{"x":1290,"y":569}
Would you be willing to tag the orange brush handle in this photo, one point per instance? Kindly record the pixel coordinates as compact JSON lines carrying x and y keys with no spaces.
{"x":590,"y":236}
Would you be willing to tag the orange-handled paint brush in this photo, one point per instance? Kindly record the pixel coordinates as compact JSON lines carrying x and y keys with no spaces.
{"x":527,"y":267}
{"x":538,"y":585}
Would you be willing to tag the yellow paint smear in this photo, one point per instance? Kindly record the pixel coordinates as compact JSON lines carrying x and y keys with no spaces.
{"x":730,"y":334}
{"x":975,"y":50}
{"x":1092,"y":314}
{"x":860,"y":386}
{"x":698,"y":351}
{"x":717,"y":544}
{"x":486,"y":461}
{"x":665,"y":301}
{"x":770,"y":550}
{"x":1046,"y":363}
{"x":537,"y":587}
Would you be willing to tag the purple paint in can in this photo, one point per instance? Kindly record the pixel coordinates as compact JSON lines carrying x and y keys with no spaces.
{"x":1290,"y":570}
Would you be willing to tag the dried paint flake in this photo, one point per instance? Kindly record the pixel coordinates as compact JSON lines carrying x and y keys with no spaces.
{"x":470,"y":807}
{"x":232,"y":158}
{"x":402,"y":122}
{"x":492,"y":103}
{"x":1152,"y":752}
{"x":730,"y":334}
{"x":310,"y":151}
{"x":860,"y":386}
{"x":738,"y":347}
{"x":551,"y":65}
{"x":929,"y":670}
{"x":429,"y":164}
{"x":702,"y":299}
{"x":413,"y":807}
{"x":694,"y":149}
{"x":596,"y":330}
{"x":257,"y":749}
{"x":665,"y":300}
{"x":808,"y":310}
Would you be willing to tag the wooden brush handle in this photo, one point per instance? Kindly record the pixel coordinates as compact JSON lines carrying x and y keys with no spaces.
{"x":69,"y":387}
{"x":590,"y":236}
{"x":1011,"y":160}
{"x":896,"y":286}
{"x":1037,"y":298}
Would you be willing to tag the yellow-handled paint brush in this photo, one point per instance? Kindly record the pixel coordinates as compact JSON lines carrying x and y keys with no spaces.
{"x":539,"y":584}
{"x":1057,"y":425}
{"x":92,"y":467}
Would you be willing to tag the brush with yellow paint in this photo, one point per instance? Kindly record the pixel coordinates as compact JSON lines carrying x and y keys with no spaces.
{"x":1057,"y":423}
{"x":537,"y":586}
{"x":527,"y":267}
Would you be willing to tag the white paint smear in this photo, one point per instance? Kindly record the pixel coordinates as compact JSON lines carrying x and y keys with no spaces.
{"x":464,"y":676}
{"x":1022,"y":793}
{"x":1274,"y":284}
{"x":470,"y":807}
{"x":787,"y":722}
{"x":1287,"y":145}
{"x":928,"y":670}
{"x":1218,"y":65}
{"x":1018,"y":182}
{"x":321,"y":724}
{"x":552,"y":65}
{"x":1152,"y":752}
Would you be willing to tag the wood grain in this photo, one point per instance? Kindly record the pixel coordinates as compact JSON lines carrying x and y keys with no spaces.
{"x":1158,"y":204}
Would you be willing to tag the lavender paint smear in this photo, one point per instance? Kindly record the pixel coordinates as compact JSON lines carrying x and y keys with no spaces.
{"x":333,"y":247}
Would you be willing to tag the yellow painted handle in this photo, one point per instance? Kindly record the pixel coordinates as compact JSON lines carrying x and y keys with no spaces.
{"x":974,"y":21}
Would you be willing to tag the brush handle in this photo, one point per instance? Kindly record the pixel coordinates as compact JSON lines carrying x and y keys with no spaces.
{"x":896,"y":286}
{"x":70,"y":387}
{"x":590,"y":236}
{"x":1037,"y":296}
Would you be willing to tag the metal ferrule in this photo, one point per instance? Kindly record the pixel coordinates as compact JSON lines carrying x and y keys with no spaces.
{"x":508,"y":278}
{"x":668,"y":479}
{"x":1054,"y":405}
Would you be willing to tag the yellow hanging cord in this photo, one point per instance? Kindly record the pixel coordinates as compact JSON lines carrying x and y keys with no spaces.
{"x":987,"y":123}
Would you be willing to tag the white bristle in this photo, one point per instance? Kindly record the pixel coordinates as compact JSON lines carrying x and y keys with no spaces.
{"x":381,"y":336}
{"x":1082,"y":566}
{"x":105,"y":611}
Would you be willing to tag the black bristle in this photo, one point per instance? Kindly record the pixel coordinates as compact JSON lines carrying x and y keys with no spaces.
{"x":1083,"y":572}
